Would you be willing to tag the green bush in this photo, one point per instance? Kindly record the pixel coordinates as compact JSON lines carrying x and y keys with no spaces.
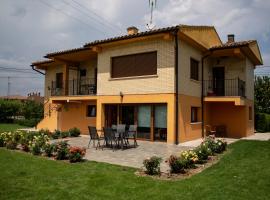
{"x":61,"y":150}
{"x":49,"y":149}
{"x":9,"y":109}
{"x":56,"y":134}
{"x":64,"y":134}
{"x":11,"y":139}
{"x":2,"y":139}
{"x":202,"y":152}
{"x":27,"y":122}
{"x":189,"y":158}
{"x":152,"y":165}
{"x":38,"y":143}
{"x":262,"y":122}
{"x":74,"y":132}
{"x":176,"y":164}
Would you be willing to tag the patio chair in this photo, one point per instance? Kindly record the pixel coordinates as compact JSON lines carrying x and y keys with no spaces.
{"x":132,"y":134}
{"x":121,"y":133}
{"x":109,"y":137}
{"x":209,"y":130}
{"x":94,"y":137}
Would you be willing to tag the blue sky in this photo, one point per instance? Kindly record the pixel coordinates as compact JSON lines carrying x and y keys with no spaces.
{"x":32,"y":28}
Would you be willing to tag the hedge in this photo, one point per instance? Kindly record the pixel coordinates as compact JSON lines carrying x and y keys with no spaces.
{"x":262,"y":122}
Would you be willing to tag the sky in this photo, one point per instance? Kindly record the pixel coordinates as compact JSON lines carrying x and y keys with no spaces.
{"x":29,"y":29}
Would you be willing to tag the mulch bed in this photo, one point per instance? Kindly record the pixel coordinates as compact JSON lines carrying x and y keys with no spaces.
{"x":212,"y":160}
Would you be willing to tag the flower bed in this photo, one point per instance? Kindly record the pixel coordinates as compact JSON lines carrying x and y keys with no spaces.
{"x":38,"y":143}
{"x":188,"y":162}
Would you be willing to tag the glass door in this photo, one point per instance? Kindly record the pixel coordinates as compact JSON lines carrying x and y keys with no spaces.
{"x":144,"y":122}
{"x":160,"y":122}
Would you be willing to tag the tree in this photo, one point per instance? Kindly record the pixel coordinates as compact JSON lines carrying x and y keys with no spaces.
{"x":262,"y":94}
{"x":9,"y":109}
{"x":32,"y":110}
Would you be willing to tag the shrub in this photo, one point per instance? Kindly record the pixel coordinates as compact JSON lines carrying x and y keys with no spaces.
{"x":64,"y":134}
{"x":76,"y":154}
{"x":262,"y":122}
{"x":221,"y":146}
{"x":216,"y":146}
{"x":11,"y":139}
{"x":2,"y":139}
{"x":176,"y":164}
{"x":152,"y":165}
{"x":74,"y":132}
{"x":44,"y":131}
{"x":61,"y":150}
{"x":24,"y":140}
{"x":27,"y":122}
{"x":189,"y":158}
{"x":202,"y":152}
{"x":38,"y":144}
{"x":49,"y":149}
{"x":56,"y":134}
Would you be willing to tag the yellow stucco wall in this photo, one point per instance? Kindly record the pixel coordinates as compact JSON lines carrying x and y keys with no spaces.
{"x":162,"y":83}
{"x":187,"y":130}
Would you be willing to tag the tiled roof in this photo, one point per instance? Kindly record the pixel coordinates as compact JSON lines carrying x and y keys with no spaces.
{"x":228,"y":45}
{"x":40,"y":62}
{"x":66,"y":51}
{"x":139,"y":34}
{"x":18,"y":97}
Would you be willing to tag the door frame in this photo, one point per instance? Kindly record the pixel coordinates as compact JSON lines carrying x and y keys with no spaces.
{"x":221,"y":91}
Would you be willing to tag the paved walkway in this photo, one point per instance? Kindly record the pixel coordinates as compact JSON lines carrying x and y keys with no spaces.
{"x":134,"y":157}
{"x":258,"y":136}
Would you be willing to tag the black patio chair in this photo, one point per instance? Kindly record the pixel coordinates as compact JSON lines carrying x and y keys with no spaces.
{"x":121,"y":134}
{"x":94,"y":137}
{"x":132,"y":134}
{"x":109,"y":137}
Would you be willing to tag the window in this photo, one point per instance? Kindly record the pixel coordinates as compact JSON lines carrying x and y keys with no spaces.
{"x":194,"y":114}
{"x":250,"y":113}
{"x":91,"y":111}
{"x":194,"y":69}
{"x":134,"y":65}
{"x":82,"y":72}
{"x":59,"y":80}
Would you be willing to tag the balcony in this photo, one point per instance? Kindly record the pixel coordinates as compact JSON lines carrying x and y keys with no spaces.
{"x":224,"y":87}
{"x":85,"y":86}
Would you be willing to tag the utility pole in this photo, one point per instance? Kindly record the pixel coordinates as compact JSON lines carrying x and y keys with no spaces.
{"x":152,"y":5}
{"x":8,"y":92}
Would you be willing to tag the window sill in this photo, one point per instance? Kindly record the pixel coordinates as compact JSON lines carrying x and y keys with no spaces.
{"x":193,"y":123}
{"x":195,"y":81}
{"x":133,"y":77}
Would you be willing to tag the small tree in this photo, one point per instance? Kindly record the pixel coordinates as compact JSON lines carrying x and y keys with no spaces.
{"x":262,"y":94}
{"x":9,"y":109}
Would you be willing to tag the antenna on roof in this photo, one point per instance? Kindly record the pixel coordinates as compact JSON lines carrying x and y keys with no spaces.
{"x":152,"y":5}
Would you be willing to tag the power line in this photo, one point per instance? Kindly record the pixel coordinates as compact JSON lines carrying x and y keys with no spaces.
{"x":75,"y":18}
{"x":15,"y":68}
{"x":97,"y":15}
{"x":19,"y":77}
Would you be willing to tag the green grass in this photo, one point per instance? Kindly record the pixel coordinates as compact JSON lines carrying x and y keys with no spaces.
{"x":243,"y":173}
{"x":10,"y":127}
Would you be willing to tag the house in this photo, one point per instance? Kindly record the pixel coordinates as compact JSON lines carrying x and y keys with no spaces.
{"x":172,"y":82}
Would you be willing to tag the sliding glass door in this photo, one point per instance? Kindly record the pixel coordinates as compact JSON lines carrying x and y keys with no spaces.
{"x":144,"y":121}
{"x":160,"y":122}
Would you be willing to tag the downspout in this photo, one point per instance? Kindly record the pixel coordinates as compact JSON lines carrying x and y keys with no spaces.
{"x":175,"y":33}
{"x":37,"y":70}
{"x":202,"y":91}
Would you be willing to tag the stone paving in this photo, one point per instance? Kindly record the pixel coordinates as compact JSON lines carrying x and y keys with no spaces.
{"x":133,"y":157}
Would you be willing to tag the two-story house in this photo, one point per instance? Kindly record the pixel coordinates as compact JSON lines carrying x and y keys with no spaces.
{"x":173,"y":83}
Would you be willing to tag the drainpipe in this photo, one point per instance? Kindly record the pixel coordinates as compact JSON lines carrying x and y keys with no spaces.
{"x":37,"y":70}
{"x":175,"y":33}
{"x":202,"y":91}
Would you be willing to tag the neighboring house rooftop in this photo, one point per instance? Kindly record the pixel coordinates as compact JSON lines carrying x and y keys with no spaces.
{"x":14,"y":97}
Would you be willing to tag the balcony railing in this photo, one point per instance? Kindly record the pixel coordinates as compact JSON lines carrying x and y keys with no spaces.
{"x":224,"y":87}
{"x":86,"y":86}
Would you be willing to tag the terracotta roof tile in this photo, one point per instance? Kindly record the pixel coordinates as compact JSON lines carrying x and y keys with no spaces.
{"x":40,"y":62}
{"x":66,"y":51}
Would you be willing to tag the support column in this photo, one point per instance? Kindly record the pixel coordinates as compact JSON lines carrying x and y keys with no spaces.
{"x":100,"y":115}
{"x":65,"y":79}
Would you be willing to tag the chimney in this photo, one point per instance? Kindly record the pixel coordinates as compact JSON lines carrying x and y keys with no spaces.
{"x":132,"y":30}
{"x":230,"y":38}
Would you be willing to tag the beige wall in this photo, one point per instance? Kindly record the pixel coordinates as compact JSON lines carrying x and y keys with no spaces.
{"x":188,"y":86}
{"x":49,"y":77}
{"x":162,"y":83}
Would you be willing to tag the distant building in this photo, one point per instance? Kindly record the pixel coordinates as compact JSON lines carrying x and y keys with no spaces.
{"x":35,"y":97}
{"x":15,"y":97}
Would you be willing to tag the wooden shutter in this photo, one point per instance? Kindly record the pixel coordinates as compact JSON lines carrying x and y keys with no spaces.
{"x":134,"y":65}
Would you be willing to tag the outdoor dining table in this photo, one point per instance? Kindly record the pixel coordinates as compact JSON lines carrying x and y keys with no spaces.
{"x":119,"y":136}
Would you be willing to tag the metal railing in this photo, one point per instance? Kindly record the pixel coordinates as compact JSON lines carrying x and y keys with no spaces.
{"x":85,"y":86}
{"x":225,"y":87}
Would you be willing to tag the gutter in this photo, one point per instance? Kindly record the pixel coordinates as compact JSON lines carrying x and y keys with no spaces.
{"x":202,"y":90}
{"x":175,"y":33}
{"x":37,"y":70}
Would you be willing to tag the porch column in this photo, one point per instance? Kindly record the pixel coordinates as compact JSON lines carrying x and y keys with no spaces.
{"x":65,"y":79}
{"x":171,"y":121}
{"x":99,"y":115}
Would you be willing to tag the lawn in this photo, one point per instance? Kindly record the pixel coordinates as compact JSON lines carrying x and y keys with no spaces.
{"x":243,"y":173}
{"x":10,"y":127}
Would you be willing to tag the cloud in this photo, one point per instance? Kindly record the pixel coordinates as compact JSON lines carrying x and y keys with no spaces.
{"x":30,"y":28}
